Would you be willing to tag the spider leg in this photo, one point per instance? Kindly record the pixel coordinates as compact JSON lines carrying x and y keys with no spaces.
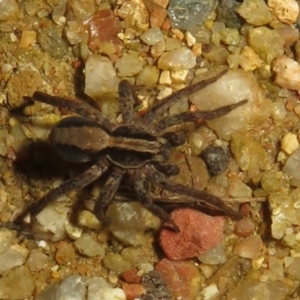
{"x":143,"y":196}
{"x":167,"y":169}
{"x":175,"y":138}
{"x":75,"y":106}
{"x":157,"y":110}
{"x":107,"y":193}
{"x":203,"y":199}
{"x":194,"y":116}
{"x":128,"y":100}
{"x":78,"y":182}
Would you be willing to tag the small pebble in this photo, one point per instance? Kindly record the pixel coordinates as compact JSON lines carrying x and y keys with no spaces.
{"x":129,"y":221}
{"x":214,"y":256}
{"x":36,"y":260}
{"x":100,"y":76}
{"x":276,"y":266}
{"x":286,"y":11}
{"x":28,"y":39}
{"x":249,"y":8}
{"x":131,"y":276}
{"x":152,"y":36}
{"x":86,"y":245}
{"x":135,"y":15}
{"x":178,"y":59}
{"x":249,"y":153}
{"x":6,"y":239}
{"x":244,"y":227}
{"x":104,"y":28}
{"x":52,"y":218}
{"x":157,"y":17}
{"x":73,"y":231}
{"x":81,"y":9}
{"x":129,"y":64}
{"x":88,"y":219}
{"x":239,"y":189}
{"x":65,"y":253}
{"x":294,"y":269}
{"x":148,"y":76}
{"x":267,"y":43}
{"x":115,"y":262}
{"x":19,"y":283}
{"x":249,"y":60}
{"x":165,"y":77}
{"x":189,"y":15}
{"x":72,"y":287}
{"x":250,"y":247}
{"x":133,"y":291}
{"x":99,"y":288}
{"x":210,"y":291}
{"x":8,"y":9}
{"x":181,"y":277}
{"x":289,"y":143}
{"x":14,"y":256}
{"x":287,"y":72}
{"x":216,"y":159}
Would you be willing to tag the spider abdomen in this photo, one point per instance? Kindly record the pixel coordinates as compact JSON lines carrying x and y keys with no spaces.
{"x":79,"y":139}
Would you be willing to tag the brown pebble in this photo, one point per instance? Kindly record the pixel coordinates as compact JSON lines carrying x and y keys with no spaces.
{"x":65,"y":253}
{"x":250,"y":247}
{"x":244,"y":228}
{"x":181,"y":277}
{"x":130,"y":276}
{"x":166,"y":25}
{"x":289,"y":105}
{"x":245,"y":209}
{"x":133,"y":291}
{"x":158,"y":17}
{"x":82,"y":269}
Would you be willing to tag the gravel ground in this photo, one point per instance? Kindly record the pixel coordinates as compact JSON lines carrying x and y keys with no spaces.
{"x":249,"y":158}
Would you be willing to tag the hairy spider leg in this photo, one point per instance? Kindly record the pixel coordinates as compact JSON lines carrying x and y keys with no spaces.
{"x":78,"y":107}
{"x":127,"y":100}
{"x":168,"y":169}
{"x":158,"y":109}
{"x":144,"y":196}
{"x":194,"y":116}
{"x":107,"y":193}
{"x":75,"y":183}
{"x":209,"y":201}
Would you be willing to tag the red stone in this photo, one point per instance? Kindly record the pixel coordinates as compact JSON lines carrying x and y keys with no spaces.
{"x":103,"y":28}
{"x":198,"y":234}
{"x":130,"y":276}
{"x":244,"y":228}
{"x":181,"y":277}
{"x":133,"y":291}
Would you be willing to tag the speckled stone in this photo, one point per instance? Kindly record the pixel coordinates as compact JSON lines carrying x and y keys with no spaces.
{"x":17,"y":284}
{"x":249,"y":8}
{"x":267,"y":43}
{"x":8,"y":9}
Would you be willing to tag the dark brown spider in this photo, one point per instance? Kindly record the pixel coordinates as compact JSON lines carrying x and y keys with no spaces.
{"x":139,"y":147}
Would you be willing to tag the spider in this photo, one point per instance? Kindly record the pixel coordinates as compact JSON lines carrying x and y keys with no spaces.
{"x":139,"y":147}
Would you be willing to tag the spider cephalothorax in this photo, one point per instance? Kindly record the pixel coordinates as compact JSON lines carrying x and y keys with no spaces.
{"x":138,"y":147}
